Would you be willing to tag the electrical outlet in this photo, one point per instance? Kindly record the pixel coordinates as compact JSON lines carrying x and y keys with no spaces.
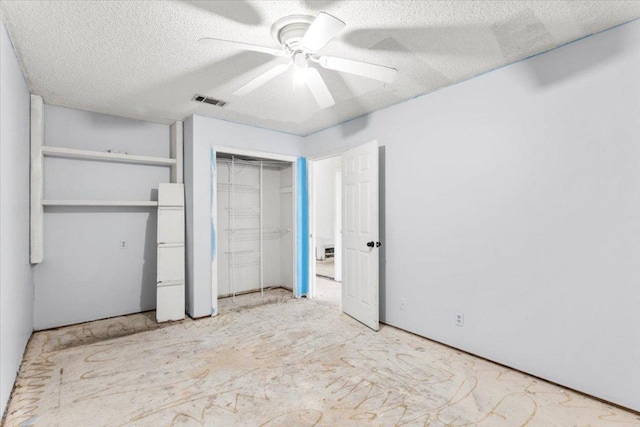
{"x":123,"y":244}
{"x":460,"y":319}
{"x":403,"y":304}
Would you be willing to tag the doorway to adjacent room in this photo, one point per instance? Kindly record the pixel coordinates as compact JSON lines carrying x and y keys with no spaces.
{"x":327,"y":228}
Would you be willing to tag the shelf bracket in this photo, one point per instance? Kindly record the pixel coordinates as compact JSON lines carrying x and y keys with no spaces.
{"x":37,"y":180}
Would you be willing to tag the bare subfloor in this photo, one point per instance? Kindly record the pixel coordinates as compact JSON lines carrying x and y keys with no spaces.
{"x":329,"y":292}
{"x":277,"y":361}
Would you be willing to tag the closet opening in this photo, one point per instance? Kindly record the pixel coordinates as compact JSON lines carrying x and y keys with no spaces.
{"x":254,"y":210}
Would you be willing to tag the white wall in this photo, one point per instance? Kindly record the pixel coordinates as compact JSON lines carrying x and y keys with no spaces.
{"x":200,"y":135}
{"x":324,"y":198}
{"x":16,"y":280}
{"x":85,"y":275}
{"x":514,"y":198}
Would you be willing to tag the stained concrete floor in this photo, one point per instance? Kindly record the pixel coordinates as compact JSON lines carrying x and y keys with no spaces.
{"x":278,"y":361}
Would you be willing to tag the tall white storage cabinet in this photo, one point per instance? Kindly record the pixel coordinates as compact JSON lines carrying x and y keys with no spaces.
{"x":171,"y":274}
{"x":255,"y":224}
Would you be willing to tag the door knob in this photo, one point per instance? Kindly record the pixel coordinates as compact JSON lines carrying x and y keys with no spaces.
{"x":371,"y":244}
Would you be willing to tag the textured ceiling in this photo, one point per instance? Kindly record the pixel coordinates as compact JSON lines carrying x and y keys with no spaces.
{"x":140,"y":59}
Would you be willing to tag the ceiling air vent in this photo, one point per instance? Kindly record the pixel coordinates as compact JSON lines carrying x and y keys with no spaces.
{"x":207,"y":100}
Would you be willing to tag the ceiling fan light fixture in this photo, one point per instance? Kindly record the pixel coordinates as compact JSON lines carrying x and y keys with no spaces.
{"x":300,"y":68}
{"x":300,"y":76}
{"x":300,"y":60}
{"x":301,"y":37}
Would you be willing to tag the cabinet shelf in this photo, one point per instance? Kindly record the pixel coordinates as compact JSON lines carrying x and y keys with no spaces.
{"x":99,"y":203}
{"x":72,"y":153}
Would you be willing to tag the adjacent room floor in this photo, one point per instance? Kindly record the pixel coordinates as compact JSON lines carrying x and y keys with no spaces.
{"x":325,"y":268}
{"x":278,"y":361}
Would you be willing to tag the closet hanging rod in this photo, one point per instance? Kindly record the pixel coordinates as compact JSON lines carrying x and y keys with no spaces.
{"x":265,"y":163}
{"x":266,"y":230}
{"x":254,"y":162}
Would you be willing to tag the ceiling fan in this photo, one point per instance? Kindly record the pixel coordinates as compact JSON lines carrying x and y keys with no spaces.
{"x":300,"y":38}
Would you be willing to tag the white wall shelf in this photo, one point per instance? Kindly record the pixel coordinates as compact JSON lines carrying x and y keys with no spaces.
{"x":39,"y":151}
{"x":99,"y":203}
{"x":72,"y":153}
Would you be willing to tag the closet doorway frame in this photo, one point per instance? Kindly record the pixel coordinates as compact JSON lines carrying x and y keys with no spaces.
{"x":235,"y":151}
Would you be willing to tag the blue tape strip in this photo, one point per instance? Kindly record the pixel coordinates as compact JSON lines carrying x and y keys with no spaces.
{"x":213,"y":204}
{"x":302,"y":220}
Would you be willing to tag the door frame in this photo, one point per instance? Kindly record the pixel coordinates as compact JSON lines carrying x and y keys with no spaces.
{"x":337,"y":235}
{"x":214,"y":211}
{"x":312,"y":217}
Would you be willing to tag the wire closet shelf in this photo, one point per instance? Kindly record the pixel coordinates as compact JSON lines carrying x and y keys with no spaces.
{"x":239,"y":256}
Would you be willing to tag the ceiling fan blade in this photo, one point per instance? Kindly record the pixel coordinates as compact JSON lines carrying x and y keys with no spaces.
{"x":243,"y":46}
{"x":322,"y":30}
{"x":319,"y":88}
{"x":240,"y":11}
{"x":262,"y":79}
{"x":359,"y":68}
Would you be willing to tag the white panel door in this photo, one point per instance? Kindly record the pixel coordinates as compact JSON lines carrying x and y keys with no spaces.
{"x":171,"y":225}
{"x":170,"y":263}
{"x":360,"y":243}
{"x":170,"y":301}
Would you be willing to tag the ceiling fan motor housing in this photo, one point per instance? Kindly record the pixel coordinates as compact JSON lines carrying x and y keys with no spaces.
{"x":290,"y":30}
